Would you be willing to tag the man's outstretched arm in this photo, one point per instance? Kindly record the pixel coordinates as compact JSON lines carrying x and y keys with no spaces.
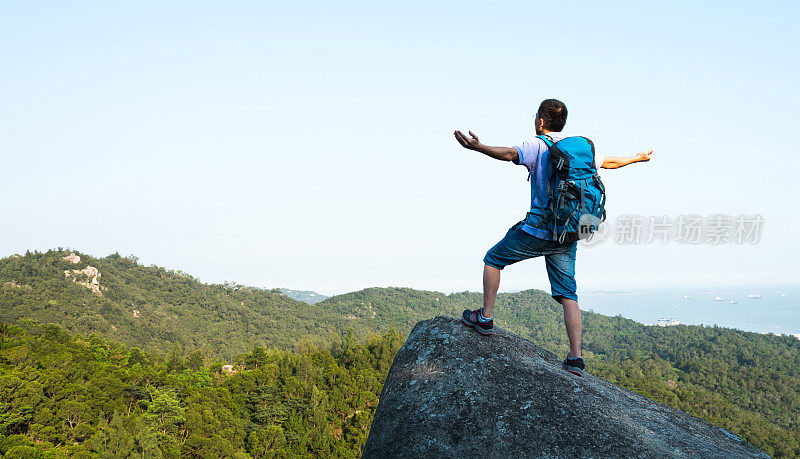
{"x":501,"y":153}
{"x":615,"y":162}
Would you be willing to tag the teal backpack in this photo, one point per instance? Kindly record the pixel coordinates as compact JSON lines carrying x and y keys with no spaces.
{"x":577,"y":203}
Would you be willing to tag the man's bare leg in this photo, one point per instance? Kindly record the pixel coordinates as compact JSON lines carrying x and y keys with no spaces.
{"x":491,"y":282}
{"x":572,"y":313}
{"x":572,"y":319}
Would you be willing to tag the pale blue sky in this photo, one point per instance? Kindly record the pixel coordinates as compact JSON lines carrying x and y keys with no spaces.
{"x":308,"y":145}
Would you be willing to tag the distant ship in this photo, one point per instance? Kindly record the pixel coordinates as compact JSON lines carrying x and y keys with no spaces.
{"x":707,"y":292}
{"x":719,"y":298}
{"x":783,"y":294}
{"x":754,"y":296}
{"x":687,"y":297}
{"x":732,"y":302}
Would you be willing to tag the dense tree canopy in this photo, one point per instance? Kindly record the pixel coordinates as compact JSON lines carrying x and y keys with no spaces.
{"x":62,"y":394}
{"x":307,"y":377}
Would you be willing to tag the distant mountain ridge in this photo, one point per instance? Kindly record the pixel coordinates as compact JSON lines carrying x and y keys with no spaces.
{"x":306,"y":296}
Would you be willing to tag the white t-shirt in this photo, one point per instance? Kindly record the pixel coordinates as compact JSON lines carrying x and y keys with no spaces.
{"x":533,"y":155}
{"x":530,"y":151}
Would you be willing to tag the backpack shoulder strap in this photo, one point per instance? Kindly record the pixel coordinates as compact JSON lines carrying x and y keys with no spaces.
{"x":547,"y":140}
{"x":594,"y":155}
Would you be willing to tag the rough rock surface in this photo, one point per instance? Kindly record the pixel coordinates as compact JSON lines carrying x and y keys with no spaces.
{"x":454,"y":393}
{"x":91,"y":274}
{"x":72,"y":258}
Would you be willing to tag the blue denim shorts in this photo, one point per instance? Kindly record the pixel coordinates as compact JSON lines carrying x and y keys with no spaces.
{"x":518,"y":245}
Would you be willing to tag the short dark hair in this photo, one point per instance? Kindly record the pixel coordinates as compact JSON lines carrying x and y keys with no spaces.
{"x":554,"y":114}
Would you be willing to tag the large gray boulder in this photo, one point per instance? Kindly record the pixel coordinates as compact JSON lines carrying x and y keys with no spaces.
{"x":454,"y":393}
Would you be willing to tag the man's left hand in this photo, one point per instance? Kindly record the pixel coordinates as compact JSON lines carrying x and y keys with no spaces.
{"x":644,"y":156}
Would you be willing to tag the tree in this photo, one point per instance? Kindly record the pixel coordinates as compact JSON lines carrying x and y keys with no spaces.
{"x":175,"y":362}
{"x":267,"y":442}
{"x":164,"y":410}
{"x":136,"y":356}
{"x":113,"y":440}
{"x":195,"y":361}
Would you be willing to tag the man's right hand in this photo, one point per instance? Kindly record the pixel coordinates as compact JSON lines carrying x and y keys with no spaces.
{"x":466,"y":142}
{"x":472,"y":143}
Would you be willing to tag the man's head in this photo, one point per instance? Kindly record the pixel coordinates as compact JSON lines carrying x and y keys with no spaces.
{"x":552,"y":116}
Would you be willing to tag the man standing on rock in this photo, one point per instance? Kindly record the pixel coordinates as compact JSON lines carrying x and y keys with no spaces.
{"x":540,"y":234}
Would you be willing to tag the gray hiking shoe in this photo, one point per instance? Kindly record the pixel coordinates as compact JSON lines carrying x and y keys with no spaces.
{"x":574,"y":365}
{"x":470,"y":318}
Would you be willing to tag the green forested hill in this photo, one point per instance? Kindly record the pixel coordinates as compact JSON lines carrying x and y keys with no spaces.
{"x":155,"y":308}
{"x":746,"y":382}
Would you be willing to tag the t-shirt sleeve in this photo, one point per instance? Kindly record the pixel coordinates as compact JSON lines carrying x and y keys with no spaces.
{"x":598,"y":161}
{"x":527,"y":153}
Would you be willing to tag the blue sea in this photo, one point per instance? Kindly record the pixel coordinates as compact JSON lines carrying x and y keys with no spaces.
{"x":772,"y":309}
